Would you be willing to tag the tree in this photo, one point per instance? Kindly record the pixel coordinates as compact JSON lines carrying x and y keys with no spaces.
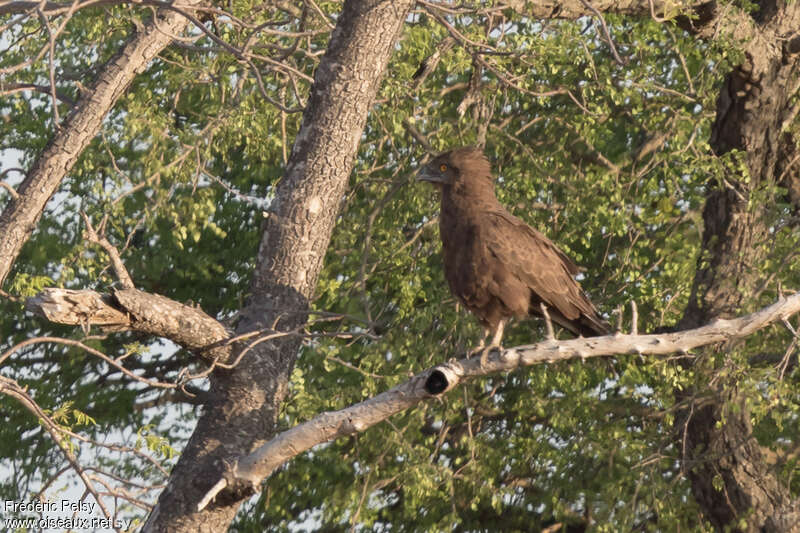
{"x":655,"y":145}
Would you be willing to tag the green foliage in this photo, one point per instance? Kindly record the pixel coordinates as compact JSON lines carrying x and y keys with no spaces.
{"x":545,"y":445}
{"x":154,"y":443}
{"x":610,"y":161}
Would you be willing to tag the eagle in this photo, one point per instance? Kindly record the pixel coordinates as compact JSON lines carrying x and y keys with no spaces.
{"x":496,"y":265}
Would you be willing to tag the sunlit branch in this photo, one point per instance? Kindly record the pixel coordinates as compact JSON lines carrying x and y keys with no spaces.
{"x":249,"y":471}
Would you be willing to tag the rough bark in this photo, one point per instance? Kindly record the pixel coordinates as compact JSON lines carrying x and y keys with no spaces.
{"x":752,"y":109}
{"x":135,"y":310}
{"x":20,"y":216}
{"x":242,"y":414}
{"x":574,"y":9}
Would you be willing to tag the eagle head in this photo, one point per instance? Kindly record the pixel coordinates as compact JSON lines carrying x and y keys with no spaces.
{"x":460,"y":168}
{"x":440,"y":171}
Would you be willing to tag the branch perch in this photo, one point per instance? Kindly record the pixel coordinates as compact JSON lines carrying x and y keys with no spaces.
{"x":132,"y":309}
{"x":248,"y":472}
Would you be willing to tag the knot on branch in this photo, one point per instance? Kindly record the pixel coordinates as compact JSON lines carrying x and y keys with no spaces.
{"x":791,"y":47}
{"x":701,"y":17}
{"x":231,"y":487}
{"x":442,"y":378}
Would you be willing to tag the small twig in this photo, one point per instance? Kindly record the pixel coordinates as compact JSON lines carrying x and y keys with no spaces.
{"x":284,"y":136}
{"x":789,"y":327}
{"x":634,"y":318}
{"x":52,"y":67}
{"x":260,"y":202}
{"x":10,"y":190}
{"x":322,"y":14}
{"x":88,"y":349}
{"x":469,"y":423}
{"x":607,"y":34}
{"x":213,"y":491}
{"x":97,"y":237}
{"x":11,"y":297}
{"x":354,"y":367}
{"x":653,"y":13}
{"x":784,"y":363}
{"x":9,"y":387}
{"x":417,"y":135}
{"x":787,"y":356}
{"x":12,"y":88}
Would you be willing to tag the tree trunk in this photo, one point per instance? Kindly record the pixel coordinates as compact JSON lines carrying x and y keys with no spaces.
{"x":21,"y":215}
{"x":753,"y":106}
{"x":245,"y":400}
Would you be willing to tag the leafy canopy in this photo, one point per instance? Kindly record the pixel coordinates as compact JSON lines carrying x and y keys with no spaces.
{"x":610,"y":161}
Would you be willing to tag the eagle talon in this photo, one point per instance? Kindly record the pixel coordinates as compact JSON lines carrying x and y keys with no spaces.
{"x":484,"y":352}
{"x":483,"y":349}
{"x":485,"y":355}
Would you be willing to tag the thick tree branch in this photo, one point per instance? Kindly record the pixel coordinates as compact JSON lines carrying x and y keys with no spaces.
{"x":19,"y":218}
{"x":246,"y":473}
{"x":135,"y":310}
{"x":246,"y":399}
{"x":721,"y":457}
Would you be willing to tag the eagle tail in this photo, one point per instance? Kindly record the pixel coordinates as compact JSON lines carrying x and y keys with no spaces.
{"x":593,"y":326}
{"x":588,"y":324}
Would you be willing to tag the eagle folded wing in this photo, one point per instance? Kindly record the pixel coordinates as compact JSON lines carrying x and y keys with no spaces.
{"x":544,"y":269}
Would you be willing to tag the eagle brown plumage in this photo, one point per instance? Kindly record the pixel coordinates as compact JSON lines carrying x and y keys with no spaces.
{"x":496,"y":264}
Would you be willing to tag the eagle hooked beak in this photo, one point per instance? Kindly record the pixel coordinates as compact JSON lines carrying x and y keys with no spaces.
{"x":426,"y":174}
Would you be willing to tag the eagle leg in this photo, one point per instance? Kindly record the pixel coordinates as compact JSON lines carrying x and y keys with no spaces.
{"x":497,"y":336}
{"x":481,"y":345}
{"x":551,"y":336}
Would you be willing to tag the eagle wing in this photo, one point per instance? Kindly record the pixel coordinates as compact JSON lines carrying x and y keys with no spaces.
{"x":547,"y":272}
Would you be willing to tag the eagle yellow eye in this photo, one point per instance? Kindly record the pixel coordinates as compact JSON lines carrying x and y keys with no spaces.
{"x":442,"y":167}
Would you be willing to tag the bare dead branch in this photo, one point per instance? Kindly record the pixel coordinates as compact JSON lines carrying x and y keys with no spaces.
{"x":249,"y":471}
{"x":78,"y":308}
{"x":132,"y":309}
